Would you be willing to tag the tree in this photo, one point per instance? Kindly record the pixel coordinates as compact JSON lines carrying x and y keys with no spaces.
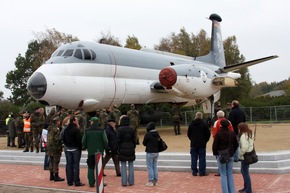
{"x":1,"y":96}
{"x":38,"y":51}
{"x":133,"y":43}
{"x":199,"y":45}
{"x":108,"y":38}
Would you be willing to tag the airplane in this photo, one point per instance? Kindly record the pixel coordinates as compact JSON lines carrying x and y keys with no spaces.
{"x":90,"y":76}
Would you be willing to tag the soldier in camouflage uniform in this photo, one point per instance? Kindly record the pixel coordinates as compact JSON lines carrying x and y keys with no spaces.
{"x":37,"y":123}
{"x":134,"y":116}
{"x":176,"y":118}
{"x":19,"y":124}
{"x":115,"y":115}
{"x":54,"y":149}
{"x":82,"y":118}
{"x":103,"y":119}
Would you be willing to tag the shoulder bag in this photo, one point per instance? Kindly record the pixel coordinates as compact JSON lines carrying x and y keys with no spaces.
{"x":251,"y":157}
{"x":162,"y":146}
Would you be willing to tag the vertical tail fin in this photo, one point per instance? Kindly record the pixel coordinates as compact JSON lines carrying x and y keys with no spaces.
{"x":216,"y":55}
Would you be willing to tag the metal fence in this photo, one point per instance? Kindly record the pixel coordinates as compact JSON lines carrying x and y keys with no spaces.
{"x":270,"y":114}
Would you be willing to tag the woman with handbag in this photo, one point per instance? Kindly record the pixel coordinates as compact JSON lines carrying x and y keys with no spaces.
{"x":246,"y":144}
{"x":150,"y":140}
{"x":225,"y":140}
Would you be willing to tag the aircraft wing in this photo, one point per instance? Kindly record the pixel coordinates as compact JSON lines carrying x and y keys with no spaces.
{"x":238,"y":66}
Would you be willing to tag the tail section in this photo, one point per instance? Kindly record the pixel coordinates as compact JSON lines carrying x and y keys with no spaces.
{"x":216,"y":55}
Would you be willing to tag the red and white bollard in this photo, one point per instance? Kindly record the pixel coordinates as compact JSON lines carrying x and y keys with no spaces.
{"x":99,"y":172}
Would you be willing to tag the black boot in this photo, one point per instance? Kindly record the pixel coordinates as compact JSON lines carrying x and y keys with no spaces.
{"x":57,"y":178}
{"x":26,"y":150}
{"x":37,"y":149}
{"x":31,"y":149}
{"x":51,"y":176}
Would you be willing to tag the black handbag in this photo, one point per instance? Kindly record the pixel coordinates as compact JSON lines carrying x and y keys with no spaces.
{"x":250,"y":157}
{"x":162,"y":146}
{"x":224,"y":156}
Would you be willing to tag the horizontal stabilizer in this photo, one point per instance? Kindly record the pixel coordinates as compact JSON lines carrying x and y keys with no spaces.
{"x":238,"y":66}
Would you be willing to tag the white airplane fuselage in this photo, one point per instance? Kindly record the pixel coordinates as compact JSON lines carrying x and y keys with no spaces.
{"x":91,"y":76}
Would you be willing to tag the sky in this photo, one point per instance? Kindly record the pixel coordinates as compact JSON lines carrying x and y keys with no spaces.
{"x":261,"y":26}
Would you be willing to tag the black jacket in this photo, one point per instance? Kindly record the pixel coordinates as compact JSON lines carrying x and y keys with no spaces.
{"x":236,"y":116}
{"x":112,"y":138}
{"x":221,"y":141}
{"x":150,"y":140}
{"x":126,"y":143}
{"x":72,"y":137}
{"x":198,"y":133}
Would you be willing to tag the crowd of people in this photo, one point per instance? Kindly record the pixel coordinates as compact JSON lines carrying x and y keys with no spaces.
{"x":115,"y":136}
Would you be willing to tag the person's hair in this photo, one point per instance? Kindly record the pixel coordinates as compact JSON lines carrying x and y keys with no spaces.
{"x":124,"y":120}
{"x":235,"y":103}
{"x":220,"y":114}
{"x":225,"y":123}
{"x":198,"y":115}
{"x":244,"y":128}
{"x":71,"y":121}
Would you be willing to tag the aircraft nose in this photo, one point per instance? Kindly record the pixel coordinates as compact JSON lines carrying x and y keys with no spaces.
{"x":37,"y":85}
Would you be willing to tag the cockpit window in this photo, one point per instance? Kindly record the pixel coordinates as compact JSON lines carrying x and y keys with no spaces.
{"x":60,"y":53}
{"x":78,"y":54}
{"x":87,"y":54}
{"x":68,"y":53}
{"x":93,"y":54}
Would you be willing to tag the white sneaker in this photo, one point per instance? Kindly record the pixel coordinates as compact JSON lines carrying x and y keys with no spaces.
{"x":149,"y":184}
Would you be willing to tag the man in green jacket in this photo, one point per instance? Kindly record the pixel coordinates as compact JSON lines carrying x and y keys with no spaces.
{"x":94,"y":140}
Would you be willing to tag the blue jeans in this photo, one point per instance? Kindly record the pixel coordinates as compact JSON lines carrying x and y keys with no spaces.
{"x":124,"y":173}
{"x":72,"y":167}
{"x":198,"y":153}
{"x":226,"y":176}
{"x":151,"y":162}
{"x":246,"y":177}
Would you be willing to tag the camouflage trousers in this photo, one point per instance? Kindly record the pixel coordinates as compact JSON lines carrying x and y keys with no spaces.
{"x":37,"y":136}
{"x":54,"y":160}
{"x":28,"y":138}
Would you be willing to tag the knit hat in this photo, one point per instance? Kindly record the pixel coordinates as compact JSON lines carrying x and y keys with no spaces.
{"x":225,"y":123}
{"x":94,"y":119}
{"x":150,"y":126}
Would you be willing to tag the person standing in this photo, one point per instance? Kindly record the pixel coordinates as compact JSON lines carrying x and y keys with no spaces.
{"x":150,"y":140}
{"x":7,"y":129}
{"x":126,"y":144}
{"x":134,"y":116}
{"x":217,"y":125}
{"x":225,"y":139}
{"x":28,"y":138}
{"x":198,"y":133}
{"x":54,"y":149}
{"x":73,"y":150}
{"x":111,"y":151}
{"x":246,"y":144}
{"x":95,"y":141}
{"x":12,"y":131}
{"x":176,"y":118}
{"x":37,"y":123}
{"x":19,"y":124}
{"x":103,"y":119}
{"x":236,"y":116}
{"x":116,"y":114}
